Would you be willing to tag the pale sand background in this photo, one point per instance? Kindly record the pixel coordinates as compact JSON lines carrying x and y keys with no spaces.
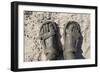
{"x":32,"y":22}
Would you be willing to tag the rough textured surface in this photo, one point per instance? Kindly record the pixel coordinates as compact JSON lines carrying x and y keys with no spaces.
{"x":33,"y":50}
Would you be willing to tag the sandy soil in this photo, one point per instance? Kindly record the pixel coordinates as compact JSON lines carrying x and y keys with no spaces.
{"x":33,"y":50}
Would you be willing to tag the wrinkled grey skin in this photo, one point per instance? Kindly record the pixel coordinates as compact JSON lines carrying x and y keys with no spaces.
{"x":49,"y":39}
{"x":72,"y":41}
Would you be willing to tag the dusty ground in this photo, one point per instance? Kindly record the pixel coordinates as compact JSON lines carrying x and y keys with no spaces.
{"x":33,"y":50}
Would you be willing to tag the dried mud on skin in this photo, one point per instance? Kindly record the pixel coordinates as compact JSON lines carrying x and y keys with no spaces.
{"x":33,"y":20}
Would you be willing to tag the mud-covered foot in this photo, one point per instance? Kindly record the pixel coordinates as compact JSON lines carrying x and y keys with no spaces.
{"x":72,"y":38}
{"x":48,"y":37}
